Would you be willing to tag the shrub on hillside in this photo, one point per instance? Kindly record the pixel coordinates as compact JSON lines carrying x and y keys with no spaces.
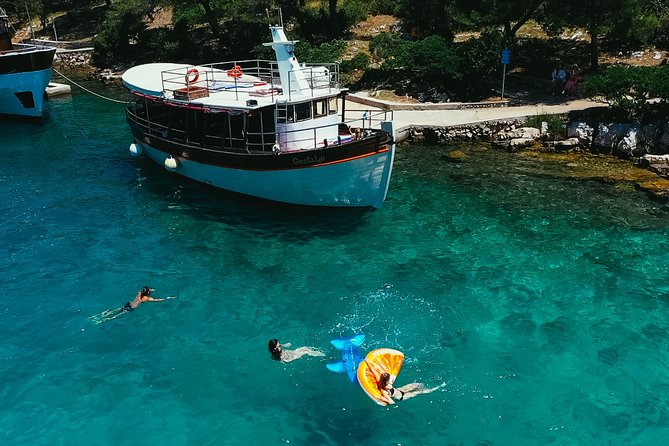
{"x":482,"y":54}
{"x":392,"y":50}
{"x":324,"y":53}
{"x":123,"y":25}
{"x":631,"y":89}
{"x":360,"y":61}
{"x":433,"y":56}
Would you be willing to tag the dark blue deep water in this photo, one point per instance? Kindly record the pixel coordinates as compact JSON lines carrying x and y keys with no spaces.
{"x":542,"y":302}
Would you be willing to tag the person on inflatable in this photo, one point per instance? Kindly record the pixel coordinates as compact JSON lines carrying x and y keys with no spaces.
{"x":402,"y":393}
{"x":281,"y":354}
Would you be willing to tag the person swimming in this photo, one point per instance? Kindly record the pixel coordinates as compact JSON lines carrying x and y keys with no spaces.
{"x":143,"y":295}
{"x":281,"y":354}
{"x":391,"y":393}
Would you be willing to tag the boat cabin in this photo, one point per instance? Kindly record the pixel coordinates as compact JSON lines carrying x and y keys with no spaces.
{"x":265,"y":128}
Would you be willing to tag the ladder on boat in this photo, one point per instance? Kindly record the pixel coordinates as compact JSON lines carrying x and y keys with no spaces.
{"x":280,"y":117}
{"x":281,"y":112}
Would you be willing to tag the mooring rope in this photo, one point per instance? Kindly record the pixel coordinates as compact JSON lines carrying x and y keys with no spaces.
{"x":89,"y":91}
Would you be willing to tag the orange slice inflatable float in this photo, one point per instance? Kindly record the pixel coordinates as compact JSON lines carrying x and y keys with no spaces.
{"x":376,"y":362}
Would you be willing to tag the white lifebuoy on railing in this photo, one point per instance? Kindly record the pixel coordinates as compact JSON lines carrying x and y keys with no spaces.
{"x":171,"y":163}
{"x":195,"y":73}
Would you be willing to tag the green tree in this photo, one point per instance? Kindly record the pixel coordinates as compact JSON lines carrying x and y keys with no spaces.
{"x":511,"y":14}
{"x":622,"y":19}
{"x":428,"y":17}
{"x":124,"y":23}
{"x":199,"y":11}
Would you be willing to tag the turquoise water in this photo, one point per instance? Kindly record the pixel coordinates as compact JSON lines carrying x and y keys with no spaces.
{"x":541,"y":302}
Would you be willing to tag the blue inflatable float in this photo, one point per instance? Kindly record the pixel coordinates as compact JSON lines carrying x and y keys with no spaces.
{"x":350,"y":355}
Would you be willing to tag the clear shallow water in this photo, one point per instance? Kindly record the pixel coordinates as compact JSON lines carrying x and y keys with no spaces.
{"x":541,"y":302}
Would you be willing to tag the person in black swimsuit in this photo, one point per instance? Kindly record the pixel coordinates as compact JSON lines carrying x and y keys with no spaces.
{"x":385,"y":384}
{"x":143,"y":295}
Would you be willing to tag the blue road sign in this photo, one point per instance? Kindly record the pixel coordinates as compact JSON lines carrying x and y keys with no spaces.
{"x":506,"y":56}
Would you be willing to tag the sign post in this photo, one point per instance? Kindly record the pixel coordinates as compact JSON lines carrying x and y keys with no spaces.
{"x":506,"y":58}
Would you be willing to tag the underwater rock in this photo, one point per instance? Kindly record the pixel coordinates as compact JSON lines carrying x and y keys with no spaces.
{"x":455,"y":156}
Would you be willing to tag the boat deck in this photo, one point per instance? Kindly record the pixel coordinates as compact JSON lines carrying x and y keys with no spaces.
{"x":245,"y":85}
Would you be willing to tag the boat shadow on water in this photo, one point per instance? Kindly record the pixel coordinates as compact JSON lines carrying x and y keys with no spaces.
{"x":256,"y":215}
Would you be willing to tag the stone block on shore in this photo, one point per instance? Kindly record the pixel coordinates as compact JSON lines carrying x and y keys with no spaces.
{"x":582,"y":131}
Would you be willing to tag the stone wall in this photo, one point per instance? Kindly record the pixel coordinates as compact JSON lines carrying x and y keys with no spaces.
{"x":485,"y":131}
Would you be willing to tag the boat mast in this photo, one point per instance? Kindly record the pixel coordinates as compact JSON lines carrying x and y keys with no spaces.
{"x":293,"y":77}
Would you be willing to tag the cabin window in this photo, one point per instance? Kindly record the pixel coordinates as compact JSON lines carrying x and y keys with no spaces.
{"x":332,"y":106}
{"x":303,"y":111}
{"x":320,"y":108}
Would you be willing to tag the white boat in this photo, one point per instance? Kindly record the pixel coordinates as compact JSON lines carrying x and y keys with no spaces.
{"x":276,"y":130}
{"x":25,"y":71}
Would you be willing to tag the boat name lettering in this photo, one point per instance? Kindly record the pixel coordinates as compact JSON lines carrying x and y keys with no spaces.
{"x":308,"y":160}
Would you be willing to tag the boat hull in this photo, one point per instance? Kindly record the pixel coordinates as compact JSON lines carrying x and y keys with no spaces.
{"x":361,"y":181}
{"x":22,"y":94}
{"x":23,"y":80}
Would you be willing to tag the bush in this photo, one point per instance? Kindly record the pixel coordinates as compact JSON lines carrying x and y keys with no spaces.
{"x":360,"y":61}
{"x":436,"y":57}
{"x":123,"y":24}
{"x":433,"y":56}
{"x":482,"y":54}
{"x":390,"y":49}
{"x":556,"y":125}
{"x":324,"y":53}
{"x":630,"y":88}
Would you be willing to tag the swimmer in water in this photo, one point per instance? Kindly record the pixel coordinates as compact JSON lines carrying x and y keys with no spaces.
{"x":405,"y":392}
{"x":281,"y":354}
{"x":385,"y":382}
{"x":143,"y":295}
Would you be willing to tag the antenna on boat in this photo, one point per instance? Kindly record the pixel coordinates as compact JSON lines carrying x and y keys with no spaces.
{"x":30,"y":23}
{"x":280,"y":17}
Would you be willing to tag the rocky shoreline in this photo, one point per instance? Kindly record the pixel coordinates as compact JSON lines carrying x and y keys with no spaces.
{"x":623,"y":152}
{"x":80,"y":62}
{"x":644,"y":148}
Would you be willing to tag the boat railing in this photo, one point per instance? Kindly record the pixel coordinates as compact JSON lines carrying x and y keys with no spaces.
{"x":320,"y":78}
{"x":18,"y":48}
{"x":367,"y":123}
{"x":235,"y":77}
{"x":362,"y":124}
{"x":367,"y":119}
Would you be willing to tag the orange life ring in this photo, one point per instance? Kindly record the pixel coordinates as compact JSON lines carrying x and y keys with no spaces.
{"x":195,"y":73}
{"x":235,"y":71}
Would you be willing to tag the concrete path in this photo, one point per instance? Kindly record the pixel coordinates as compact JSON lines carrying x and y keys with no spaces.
{"x":438,"y":118}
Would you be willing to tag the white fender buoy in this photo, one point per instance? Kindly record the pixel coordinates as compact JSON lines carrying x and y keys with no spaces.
{"x":171,"y":163}
{"x":276,"y":149}
{"x":135,"y":149}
